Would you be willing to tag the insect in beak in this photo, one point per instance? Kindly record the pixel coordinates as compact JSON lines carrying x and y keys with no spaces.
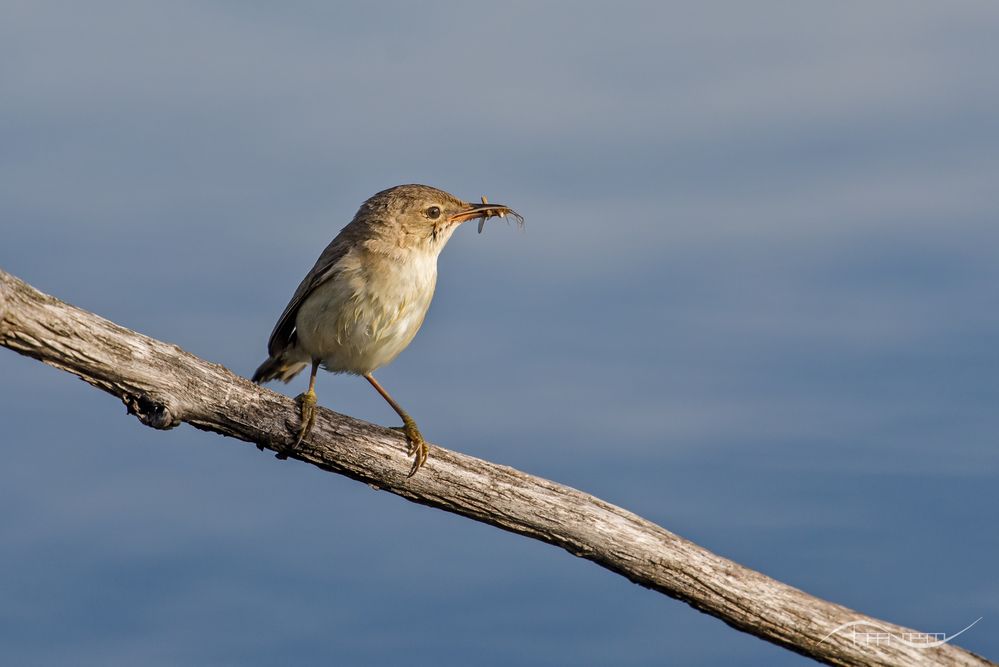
{"x":484,"y":211}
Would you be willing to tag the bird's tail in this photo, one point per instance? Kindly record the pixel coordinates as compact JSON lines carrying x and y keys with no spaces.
{"x":278,"y":368}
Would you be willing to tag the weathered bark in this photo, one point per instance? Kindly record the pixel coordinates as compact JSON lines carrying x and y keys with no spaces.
{"x":163,"y":386}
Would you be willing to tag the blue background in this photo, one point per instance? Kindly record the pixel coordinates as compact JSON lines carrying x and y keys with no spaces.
{"x":755,"y":302}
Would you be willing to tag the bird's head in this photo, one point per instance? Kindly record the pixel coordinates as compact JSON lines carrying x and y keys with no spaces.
{"x":421,"y":217}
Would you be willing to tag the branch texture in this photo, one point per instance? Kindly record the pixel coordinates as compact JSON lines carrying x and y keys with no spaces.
{"x":162,"y":385}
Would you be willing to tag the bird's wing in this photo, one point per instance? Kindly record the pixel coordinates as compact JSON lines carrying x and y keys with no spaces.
{"x":325,"y":268}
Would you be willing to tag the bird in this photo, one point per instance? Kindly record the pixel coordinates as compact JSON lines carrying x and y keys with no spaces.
{"x":367,"y":296}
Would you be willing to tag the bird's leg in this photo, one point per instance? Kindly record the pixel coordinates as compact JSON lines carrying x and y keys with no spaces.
{"x":418,"y":447}
{"x":307,"y":403}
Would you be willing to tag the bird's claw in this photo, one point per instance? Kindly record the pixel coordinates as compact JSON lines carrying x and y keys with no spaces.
{"x":307,"y":406}
{"x":418,"y":447}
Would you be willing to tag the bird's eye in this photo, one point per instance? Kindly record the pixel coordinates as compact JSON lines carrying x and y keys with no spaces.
{"x":434,"y":212}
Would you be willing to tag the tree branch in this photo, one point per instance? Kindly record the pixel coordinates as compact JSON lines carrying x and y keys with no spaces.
{"x":163,"y":386}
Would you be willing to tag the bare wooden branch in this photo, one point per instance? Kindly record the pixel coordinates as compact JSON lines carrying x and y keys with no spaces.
{"x":163,"y":386}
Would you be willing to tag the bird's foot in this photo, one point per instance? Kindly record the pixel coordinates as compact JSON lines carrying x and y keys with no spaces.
{"x":307,"y":406}
{"x":418,"y":447}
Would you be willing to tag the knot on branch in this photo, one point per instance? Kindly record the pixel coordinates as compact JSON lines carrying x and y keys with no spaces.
{"x":151,"y":412}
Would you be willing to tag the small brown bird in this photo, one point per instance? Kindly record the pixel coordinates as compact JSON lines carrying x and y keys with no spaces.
{"x":367,"y":295}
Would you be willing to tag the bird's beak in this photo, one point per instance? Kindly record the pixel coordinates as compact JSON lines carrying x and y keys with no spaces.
{"x":484,"y":211}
